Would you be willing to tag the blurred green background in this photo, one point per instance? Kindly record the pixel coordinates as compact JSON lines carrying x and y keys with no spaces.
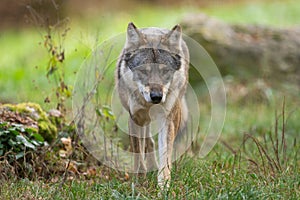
{"x":24,"y":59}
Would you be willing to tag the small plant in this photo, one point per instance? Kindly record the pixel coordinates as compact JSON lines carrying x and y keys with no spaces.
{"x":24,"y":153}
{"x":16,"y":140}
{"x":54,"y":32}
{"x":268,"y":153}
{"x":55,"y":67}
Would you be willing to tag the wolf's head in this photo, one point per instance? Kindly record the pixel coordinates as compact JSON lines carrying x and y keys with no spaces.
{"x":153,"y":58}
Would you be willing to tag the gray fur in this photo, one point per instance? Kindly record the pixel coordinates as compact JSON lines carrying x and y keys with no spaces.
{"x":153,"y":69}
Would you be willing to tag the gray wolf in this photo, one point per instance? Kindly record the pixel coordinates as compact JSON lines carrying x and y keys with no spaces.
{"x":151,"y":78}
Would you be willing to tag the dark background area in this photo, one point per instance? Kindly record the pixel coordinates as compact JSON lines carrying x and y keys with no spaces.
{"x":15,"y":13}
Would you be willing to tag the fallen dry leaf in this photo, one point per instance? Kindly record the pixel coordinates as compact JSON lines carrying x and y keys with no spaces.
{"x":126,"y":176}
{"x":72,"y":167}
{"x":91,"y":171}
{"x":63,"y":153}
{"x":67,"y":142}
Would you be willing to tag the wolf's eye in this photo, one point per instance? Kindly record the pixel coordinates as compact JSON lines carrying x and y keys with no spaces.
{"x":177,"y":62}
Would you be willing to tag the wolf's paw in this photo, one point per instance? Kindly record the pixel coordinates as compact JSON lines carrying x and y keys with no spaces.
{"x":163,"y":182}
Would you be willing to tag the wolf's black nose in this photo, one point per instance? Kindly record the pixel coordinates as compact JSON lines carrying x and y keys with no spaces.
{"x":156,"y":96}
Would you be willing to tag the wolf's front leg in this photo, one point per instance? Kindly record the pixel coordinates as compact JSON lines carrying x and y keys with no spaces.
{"x":137,"y":140}
{"x":165,"y":148}
{"x":150,"y":151}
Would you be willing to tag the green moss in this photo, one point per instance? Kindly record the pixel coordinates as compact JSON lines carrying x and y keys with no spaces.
{"x":34,"y":110}
{"x":46,"y":128}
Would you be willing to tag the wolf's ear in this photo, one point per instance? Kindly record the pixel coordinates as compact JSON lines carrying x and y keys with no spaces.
{"x":174,"y":36}
{"x":134,"y":36}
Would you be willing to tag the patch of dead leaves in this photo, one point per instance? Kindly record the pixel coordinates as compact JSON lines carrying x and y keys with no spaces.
{"x":67,"y":147}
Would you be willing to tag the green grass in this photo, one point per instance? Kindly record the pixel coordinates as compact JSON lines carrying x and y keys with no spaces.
{"x":209,"y":183}
{"x":221,"y":175}
{"x":212,"y":178}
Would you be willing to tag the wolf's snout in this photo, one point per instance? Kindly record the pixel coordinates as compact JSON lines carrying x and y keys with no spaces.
{"x":156,"y":96}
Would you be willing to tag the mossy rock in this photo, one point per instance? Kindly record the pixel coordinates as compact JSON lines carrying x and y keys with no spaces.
{"x":25,"y":112}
